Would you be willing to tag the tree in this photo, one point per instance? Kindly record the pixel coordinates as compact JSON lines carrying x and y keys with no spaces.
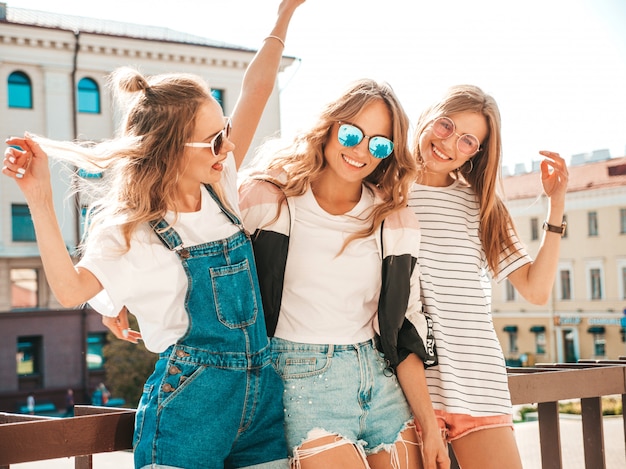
{"x":127,"y":366}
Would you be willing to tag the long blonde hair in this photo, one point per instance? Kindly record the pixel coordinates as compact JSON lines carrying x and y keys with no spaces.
{"x":303,"y":158}
{"x":141,"y":166}
{"x":482,"y":171}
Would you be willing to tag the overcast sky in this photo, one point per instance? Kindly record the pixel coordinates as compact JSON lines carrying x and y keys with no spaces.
{"x":556,"y":67}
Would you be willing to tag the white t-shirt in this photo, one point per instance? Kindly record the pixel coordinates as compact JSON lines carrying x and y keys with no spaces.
{"x":149,"y":278}
{"x":345,"y":288}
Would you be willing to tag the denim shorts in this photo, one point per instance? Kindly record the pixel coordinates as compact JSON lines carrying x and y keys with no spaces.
{"x":346,"y":390}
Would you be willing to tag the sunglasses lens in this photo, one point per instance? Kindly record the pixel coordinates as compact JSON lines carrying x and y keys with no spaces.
{"x":349,"y":135}
{"x":443,"y":127}
{"x":228,"y":128}
{"x":218,"y":141}
{"x":380,"y":147}
{"x":468,"y":144}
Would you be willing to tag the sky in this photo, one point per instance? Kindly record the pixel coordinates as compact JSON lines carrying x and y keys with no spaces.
{"x":557,"y":68}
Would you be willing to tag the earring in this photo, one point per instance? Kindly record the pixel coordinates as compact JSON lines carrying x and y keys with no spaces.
{"x":471,"y":166}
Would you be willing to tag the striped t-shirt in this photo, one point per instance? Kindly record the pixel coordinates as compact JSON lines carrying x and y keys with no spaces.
{"x":456,"y":288}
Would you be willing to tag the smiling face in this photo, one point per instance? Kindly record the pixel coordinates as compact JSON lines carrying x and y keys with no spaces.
{"x":200,"y":165}
{"x":441,"y":156}
{"x":353,"y":164}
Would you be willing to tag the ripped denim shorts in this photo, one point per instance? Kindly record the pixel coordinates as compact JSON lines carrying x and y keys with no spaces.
{"x":340,"y":389}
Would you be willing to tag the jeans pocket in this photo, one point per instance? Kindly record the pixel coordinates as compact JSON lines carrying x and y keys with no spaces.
{"x":180,"y":375}
{"x":234,"y":290}
{"x":294,"y":365}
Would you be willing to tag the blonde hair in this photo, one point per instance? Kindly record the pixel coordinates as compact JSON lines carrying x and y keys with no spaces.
{"x":303,"y":159}
{"x":141,"y":166}
{"x":483,"y":169}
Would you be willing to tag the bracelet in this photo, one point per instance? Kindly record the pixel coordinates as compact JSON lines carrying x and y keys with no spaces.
{"x":277,"y":38}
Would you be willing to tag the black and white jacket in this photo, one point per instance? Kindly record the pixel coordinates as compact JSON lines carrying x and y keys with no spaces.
{"x":404,"y":327}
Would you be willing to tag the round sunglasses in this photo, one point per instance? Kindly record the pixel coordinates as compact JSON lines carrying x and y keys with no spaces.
{"x":468,"y":144}
{"x":216,"y":142}
{"x":349,"y":135}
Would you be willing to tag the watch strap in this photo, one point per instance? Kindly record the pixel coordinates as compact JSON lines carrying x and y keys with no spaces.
{"x":555,"y":228}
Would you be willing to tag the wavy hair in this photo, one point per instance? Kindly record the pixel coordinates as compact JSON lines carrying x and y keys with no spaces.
{"x":141,"y":166}
{"x":485,"y":176}
{"x":303,"y":158}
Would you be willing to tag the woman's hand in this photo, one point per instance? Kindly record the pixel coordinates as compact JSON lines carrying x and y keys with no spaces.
{"x":28,"y":166}
{"x":554,"y":175}
{"x":120,"y":327}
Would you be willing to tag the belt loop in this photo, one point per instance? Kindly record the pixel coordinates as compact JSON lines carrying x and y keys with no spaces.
{"x":331,"y":351}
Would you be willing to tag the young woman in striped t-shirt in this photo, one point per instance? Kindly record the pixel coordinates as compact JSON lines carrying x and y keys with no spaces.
{"x":468,"y":236}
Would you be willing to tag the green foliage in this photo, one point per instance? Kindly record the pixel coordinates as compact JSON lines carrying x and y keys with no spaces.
{"x":526,"y":410}
{"x":611,"y":405}
{"x":127,"y":366}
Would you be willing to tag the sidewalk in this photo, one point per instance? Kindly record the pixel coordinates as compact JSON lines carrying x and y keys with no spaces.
{"x":527,"y":438}
{"x":572,"y":451}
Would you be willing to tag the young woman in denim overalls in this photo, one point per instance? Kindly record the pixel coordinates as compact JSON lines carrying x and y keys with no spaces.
{"x":165,"y":242}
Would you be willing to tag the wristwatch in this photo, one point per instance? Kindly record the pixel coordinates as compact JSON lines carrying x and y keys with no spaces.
{"x":553,"y":228}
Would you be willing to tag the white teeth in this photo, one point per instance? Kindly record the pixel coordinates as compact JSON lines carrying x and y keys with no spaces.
{"x":352,"y":162}
{"x":439,"y":154}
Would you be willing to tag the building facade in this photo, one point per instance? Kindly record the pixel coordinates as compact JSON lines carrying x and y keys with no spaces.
{"x":53,"y":77}
{"x":586,"y":315}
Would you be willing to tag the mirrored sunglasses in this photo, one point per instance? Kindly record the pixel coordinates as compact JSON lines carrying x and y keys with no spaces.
{"x":349,"y":135}
{"x":216,"y":142}
{"x":468,"y":144}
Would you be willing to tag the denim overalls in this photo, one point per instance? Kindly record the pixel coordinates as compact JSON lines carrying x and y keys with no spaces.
{"x":214,"y":399}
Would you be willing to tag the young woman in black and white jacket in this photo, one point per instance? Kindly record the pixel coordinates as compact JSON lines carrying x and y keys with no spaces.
{"x":336,"y":250}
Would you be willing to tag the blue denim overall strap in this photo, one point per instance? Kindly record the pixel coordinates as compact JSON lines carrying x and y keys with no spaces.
{"x":221,"y":274}
{"x":214,"y":400}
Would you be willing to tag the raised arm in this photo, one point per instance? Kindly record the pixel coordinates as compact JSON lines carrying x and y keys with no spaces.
{"x":534,"y":281}
{"x":258,"y":82}
{"x":29,"y":168}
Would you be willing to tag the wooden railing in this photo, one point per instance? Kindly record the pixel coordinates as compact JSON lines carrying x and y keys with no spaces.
{"x":102,"y":429}
{"x":93,"y":430}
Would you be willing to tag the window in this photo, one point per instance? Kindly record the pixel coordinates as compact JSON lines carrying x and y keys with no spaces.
{"x":29,"y":358}
{"x":512,"y":332}
{"x":594,"y":272}
{"x":565,"y":285}
{"x":564,"y":281}
{"x":20,"y":91}
{"x":28,"y":355}
{"x":592,"y":223}
{"x":599,"y":341}
{"x":95,"y":345}
{"x":621,"y":278}
{"x":219,"y":96}
{"x":622,"y":220}
{"x":88,"y":96}
{"x":595,"y":280}
{"x":540,"y":339}
{"x":510,"y":290}
{"x":24,"y":288}
{"x":83,"y":173}
{"x":22,"y":223}
{"x":534,"y":229}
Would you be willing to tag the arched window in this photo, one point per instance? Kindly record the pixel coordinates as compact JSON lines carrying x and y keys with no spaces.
{"x":88,"y":95}
{"x":20,"y":91}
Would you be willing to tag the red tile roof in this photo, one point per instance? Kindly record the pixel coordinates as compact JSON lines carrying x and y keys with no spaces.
{"x":588,"y":176}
